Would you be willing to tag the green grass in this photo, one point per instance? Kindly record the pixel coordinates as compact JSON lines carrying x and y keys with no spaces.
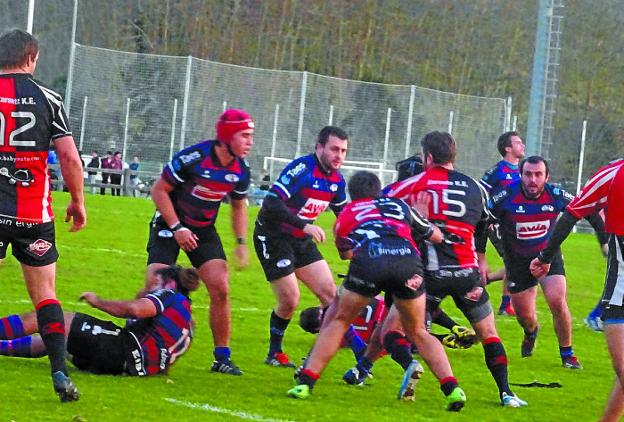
{"x":108,"y":257}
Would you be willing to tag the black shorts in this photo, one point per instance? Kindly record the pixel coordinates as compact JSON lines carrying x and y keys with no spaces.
{"x":162,"y":248}
{"x":393,"y":267}
{"x":96,"y":346}
{"x":281,"y":254}
{"x":519,"y":277}
{"x":464,"y":286}
{"x":32,"y":244}
{"x":612,"y":297}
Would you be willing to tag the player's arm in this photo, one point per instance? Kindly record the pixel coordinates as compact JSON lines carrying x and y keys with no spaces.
{"x":71,"y":169}
{"x":138,"y":308}
{"x":239,"y":226}
{"x":160,"y":195}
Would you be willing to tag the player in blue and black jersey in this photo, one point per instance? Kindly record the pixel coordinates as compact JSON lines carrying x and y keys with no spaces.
{"x":526,"y":211}
{"x":285,"y":232}
{"x":159,"y":332}
{"x":511,"y":147}
{"x":188,"y":196}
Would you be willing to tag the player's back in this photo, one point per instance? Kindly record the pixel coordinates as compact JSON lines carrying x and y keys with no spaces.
{"x":457,"y":207}
{"x":31,"y":116}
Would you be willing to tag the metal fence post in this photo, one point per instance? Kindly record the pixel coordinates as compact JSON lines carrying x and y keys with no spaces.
{"x":187,"y":89}
{"x":304,"y":87}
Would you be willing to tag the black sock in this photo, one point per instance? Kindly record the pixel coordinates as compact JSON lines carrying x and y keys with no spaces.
{"x":52,"y":331}
{"x":443,"y":320}
{"x":496,"y":361}
{"x":308,"y":378}
{"x":399,"y":347}
{"x":448,"y":384}
{"x":277,"y":328}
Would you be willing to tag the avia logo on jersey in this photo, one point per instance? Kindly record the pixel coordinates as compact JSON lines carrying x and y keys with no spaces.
{"x":548,"y":208}
{"x":312,"y":208}
{"x":232,"y":178}
{"x":39,"y":247}
{"x":189,"y":158}
{"x":532,"y":230}
{"x":206,"y":194}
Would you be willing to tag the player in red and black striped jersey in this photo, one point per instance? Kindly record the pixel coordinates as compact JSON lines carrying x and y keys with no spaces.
{"x":527,"y":211}
{"x":458,"y":206}
{"x":159,"y":332}
{"x":604,"y":190}
{"x":285,"y":232}
{"x":376,"y":234}
{"x":31,"y":118}
{"x":188,"y":196}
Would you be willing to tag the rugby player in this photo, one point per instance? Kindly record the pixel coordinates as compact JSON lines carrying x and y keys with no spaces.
{"x":604,"y":190}
{"x":454,"y":268}
{"x":285,"y":232}
{"x":511,"y":147}
{"x":376,"y":234}
{"x":158,"y":334}
{"x":187,"y":197}
{"x":31,"y":118}
{"x":526,"y":211}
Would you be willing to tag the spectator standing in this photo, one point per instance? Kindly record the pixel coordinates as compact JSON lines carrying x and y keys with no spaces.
{"x":94,"y":163}
{"x":115,"y":178}
{"x":106,"y":164}
{"x":134,"y":178}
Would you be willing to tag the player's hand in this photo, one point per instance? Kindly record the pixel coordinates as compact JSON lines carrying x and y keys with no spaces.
{"x":538,"y":268}
{"x":187,"y":240}
{"x":421,"y":203}
{"x":242,"y":256}
{"x":77,"y":214}
{"x":317,"y":233}
{"x":88,"y":297}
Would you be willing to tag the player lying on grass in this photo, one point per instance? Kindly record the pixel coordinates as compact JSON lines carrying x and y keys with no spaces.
{"x":376,"y":234}
{"x":158,"y":333}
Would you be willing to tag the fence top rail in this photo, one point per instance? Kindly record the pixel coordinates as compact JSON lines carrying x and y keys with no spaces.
{"x":476,"y":97}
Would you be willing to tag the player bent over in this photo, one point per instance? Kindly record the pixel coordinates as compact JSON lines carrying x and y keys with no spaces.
{"x":376,"y":233}
{"x":188,"y":195}
{"x":150,"y":343}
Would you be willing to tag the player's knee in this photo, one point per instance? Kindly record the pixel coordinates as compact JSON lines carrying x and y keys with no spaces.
{"x":218,"y":291}
{"x":288,"y":304}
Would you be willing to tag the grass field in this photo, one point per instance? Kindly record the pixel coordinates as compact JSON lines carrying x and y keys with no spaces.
{"x":108,"y":257}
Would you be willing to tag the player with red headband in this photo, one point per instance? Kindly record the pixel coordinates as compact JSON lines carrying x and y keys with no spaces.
{"x":187,"y":197}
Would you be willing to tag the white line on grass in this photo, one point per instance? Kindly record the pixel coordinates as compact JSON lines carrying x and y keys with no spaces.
{"x":209,"y":408}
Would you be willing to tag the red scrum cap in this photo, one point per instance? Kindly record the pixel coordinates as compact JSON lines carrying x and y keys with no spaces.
{"x":232,"y":121}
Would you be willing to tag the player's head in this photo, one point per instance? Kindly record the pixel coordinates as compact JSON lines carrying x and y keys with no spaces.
{"x":18,"y":49}
{"x":184,"y":280}
{"x":331,"y":147}
{"x":510,"y":145}
{"x":438,"y":148}
{"x":310,"y":319}
{"x":364,"y":184}
{"x":235,"y":130}
{"x":409,"y":167}
{"x":534,"y":175}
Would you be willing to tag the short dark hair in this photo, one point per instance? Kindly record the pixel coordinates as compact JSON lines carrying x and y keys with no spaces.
{"x":440,"y":145}
{"x":534,"y":159}
{"x":310,"y":319}
{"x":17,"y":47}
{"x":364,"y":184}
{"x":504,"y":141}
{"x":328,"y":131}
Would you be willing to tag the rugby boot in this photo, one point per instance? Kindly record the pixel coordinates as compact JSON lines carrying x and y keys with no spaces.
{"x":528,"y":344}
{"x":507,"y":310}
{"x":571,"y":362}
{"x":410,"y":378}
{"x":226,"y":367}
{"x":279,"y":359}
{"x":465,"y":335}
{"x":301,"y":391}
{"x":64,"y":387}
{"x":509,"y":400}
{"x":456,"y":400}
{"x":355,"y":376}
